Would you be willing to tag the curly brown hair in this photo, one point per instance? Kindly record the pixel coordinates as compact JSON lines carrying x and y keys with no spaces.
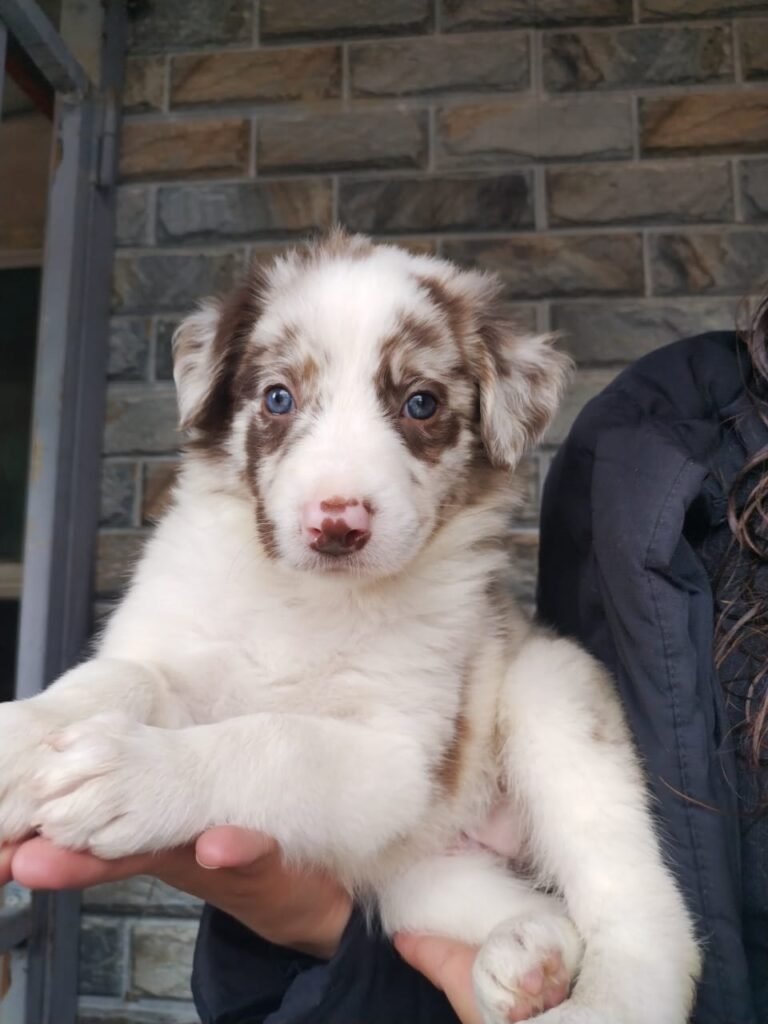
{"x":741,"y":635}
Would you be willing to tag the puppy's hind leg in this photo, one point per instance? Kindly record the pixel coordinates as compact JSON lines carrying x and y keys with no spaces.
{"x":529,"y":950}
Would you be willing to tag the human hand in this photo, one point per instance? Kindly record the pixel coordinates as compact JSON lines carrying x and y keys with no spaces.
{"x":448,"y":965}
{"x":240,"y":872}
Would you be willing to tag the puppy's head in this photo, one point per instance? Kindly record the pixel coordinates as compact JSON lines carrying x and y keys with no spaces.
{"x":356,"y":390}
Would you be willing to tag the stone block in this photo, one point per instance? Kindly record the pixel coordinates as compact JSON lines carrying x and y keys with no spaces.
{"x":184,"y":149}
{"x":144,"y":86}
{"x":730,"y":262}
{"x":162,"y":958}
{"x":118,"y":493}
{"x":132,"y":216}
{"x":753,"y":44}
{"x":141,"y":421}
{"x":754,"y":189}
{"x":439,"y":64}
{"x":164,"y":331}
{"x":662,"y":10}
{"x":548,"y":266}
{"x":585,"y":385}
{"x":296,"y":19}
{"x":384,"y":139}
{"x":153,"y":282}
{"x":525,"y":130}
{"x":477,"y":14}
{"x":451,"y":203}
{"x":101,"y":957}
{"x":618,"y":331}
{"x":308,"y":73}
{"x":734,"y":122}
{"x":128,"y":349}
{"x":159,"y":478}
{"x":636,"y":58}
{"x":116,"y":556}
{"x":252,"y":210}
{"x":686,"y":192}
{"x":160,"y":25}
{"x":140,"y":895}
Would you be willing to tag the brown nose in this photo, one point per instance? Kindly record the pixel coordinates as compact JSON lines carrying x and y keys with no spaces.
{"x":337,"y":526}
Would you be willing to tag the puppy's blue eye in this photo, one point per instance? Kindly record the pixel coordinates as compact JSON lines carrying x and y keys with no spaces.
{"x":422,"y":405}
{"x":279,"y":401}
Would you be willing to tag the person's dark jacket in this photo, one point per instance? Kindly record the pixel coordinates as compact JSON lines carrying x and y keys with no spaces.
{"x":631,"y":500}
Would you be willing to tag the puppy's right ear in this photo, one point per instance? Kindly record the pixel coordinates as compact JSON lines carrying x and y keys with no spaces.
{"x":197,"y":363}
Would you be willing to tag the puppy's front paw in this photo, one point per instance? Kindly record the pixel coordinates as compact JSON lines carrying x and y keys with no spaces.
{"x":23,"y":731}
{"x":115,"y":787}
{"x":526,"y":966}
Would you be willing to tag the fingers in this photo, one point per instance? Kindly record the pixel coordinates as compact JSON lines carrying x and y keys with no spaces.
{"x":38,"y":864}
{"x":230,"y":847}
{"x":448,"y":965}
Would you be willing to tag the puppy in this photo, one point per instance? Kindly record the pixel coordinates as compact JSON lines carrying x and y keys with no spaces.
{"x":318,"y":643}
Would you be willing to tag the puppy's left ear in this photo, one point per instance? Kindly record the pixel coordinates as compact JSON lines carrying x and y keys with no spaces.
{"x":521,"y":378}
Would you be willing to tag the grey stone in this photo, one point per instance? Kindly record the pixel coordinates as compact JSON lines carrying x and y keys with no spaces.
{"x":585,"y":385}
{"x":116,"y":556}
{"x":382,"y":139}
{"x":140,"y":895}
{"x":527,"y":477}
{"x":637,"y":57}
{"x":524,"y":550}
{"x":469,"y":14}
{"x":298,"y":19}
{"x":101,"y":958}
{"x":164,"y":331}
{"x":729,"y":262}
{"x":155,"y":282}
{"x":118,"y":493}
{"x":438,"y":64}
{"x":178,"y":24}
{"x":96,"y":1011}
{"x":132,"y":216}
{"x":753,"y":44}
{"x":162,"y":958}
{"x":467,"y":202}
{"x":544,"y":266}
{"x":660,"y":10}
{"x":256,"y":210}
{"x":524,"y":130}
{"x":620,"y":331}
{"x":141,"y":421}
{"x":754,"y":189}
{"x":637,"y":193}
{"x":128,"y":349}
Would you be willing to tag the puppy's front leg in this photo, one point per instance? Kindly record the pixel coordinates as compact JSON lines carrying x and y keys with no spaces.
{"x":569,"y":758}
{"x":26,"y":727}
{"x":331,"y":792}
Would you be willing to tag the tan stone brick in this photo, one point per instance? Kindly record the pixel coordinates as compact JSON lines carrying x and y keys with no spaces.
{"x":184,"y":149}
{"x":730,"y":262}
{"x":308,"y":73}
{"x":535,"y":130}
{"x":660,"y":10}
{"x":438,"y":64}
{"x":705,"y":122}
{"x":144,"y":87}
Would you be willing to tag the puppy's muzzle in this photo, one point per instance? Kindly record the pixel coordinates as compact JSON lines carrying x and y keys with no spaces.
{"x":337,"y":526}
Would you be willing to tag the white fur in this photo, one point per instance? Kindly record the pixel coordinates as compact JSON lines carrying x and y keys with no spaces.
{"x":233,"y":687}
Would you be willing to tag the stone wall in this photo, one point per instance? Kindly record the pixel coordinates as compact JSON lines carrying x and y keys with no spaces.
{"x":608,"y":158}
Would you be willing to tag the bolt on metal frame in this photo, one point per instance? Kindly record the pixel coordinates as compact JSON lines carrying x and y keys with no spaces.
{"x":69,"y":398}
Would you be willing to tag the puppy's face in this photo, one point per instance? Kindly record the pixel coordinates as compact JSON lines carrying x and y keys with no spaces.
{"x":357,"y":389}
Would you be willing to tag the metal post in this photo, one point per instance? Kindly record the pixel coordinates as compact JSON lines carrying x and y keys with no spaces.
{"x":63,"y":490}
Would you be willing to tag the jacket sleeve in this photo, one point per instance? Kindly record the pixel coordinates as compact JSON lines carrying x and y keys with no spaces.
{"x":239,"y":978}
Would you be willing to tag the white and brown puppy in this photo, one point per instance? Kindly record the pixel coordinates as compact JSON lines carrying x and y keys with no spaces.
{"x":317,"y":644}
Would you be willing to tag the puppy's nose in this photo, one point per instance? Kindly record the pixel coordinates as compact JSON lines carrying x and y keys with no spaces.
{"x":337,"y":526}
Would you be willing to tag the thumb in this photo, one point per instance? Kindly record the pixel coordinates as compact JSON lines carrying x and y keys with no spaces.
{"x":230,"y":847}
{"x":448,"y":965}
